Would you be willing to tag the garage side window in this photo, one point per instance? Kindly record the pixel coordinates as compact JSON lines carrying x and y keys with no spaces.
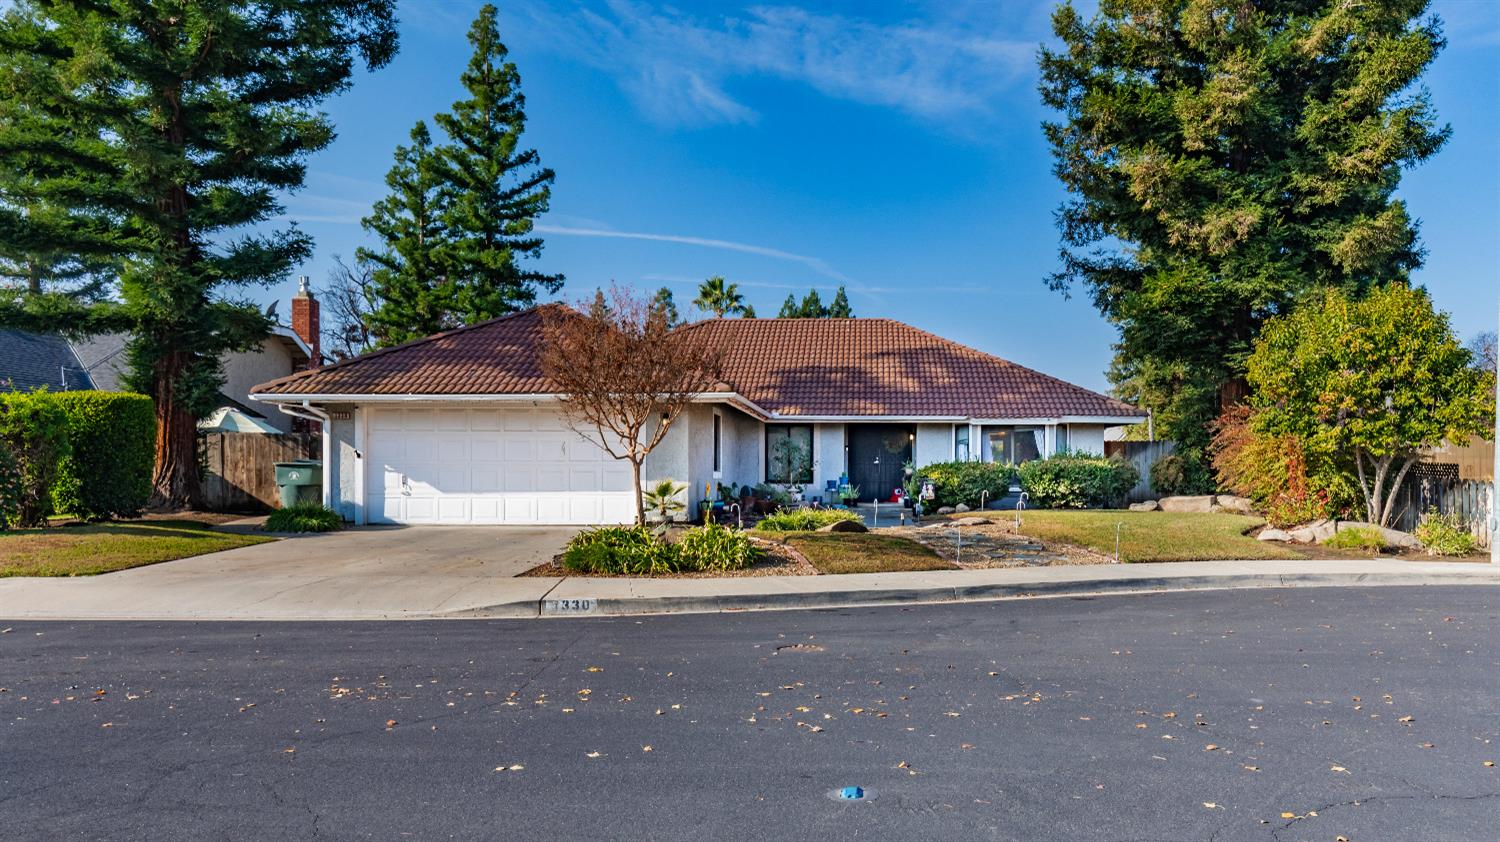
{"x":788,"y":453}
{"x":718,"y":450}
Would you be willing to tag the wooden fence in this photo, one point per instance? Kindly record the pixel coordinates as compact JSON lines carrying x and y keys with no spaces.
{"x":239,"y":473}
{"x":1471,"y":500}
{"x":1141,"y":454}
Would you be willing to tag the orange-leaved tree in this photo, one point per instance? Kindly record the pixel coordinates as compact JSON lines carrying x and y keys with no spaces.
{"x":623,"y":374}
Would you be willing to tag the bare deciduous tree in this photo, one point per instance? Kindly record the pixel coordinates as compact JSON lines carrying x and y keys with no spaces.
{"x":624,"y":374}
{"x":349,"y":298}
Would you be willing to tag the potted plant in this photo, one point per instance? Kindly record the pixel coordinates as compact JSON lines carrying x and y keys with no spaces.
{"x":849,"y":494}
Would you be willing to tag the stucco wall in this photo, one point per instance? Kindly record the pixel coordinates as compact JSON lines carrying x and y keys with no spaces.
{"x":1087,"y":437}
{"x":343,"y":468}
{"x":934,"y":444}
{"x":246,"y":369}
{"x":828,"y":456}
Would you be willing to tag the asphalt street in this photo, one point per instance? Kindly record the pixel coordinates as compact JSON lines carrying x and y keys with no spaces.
{"x":1307,"y":714}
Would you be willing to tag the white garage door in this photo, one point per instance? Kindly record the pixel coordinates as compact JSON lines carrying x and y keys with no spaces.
{"x":489,"y":466}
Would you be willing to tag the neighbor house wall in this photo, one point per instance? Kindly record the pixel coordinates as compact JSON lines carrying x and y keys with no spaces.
{"x":243,"y":370}
{"x":934,"y":444}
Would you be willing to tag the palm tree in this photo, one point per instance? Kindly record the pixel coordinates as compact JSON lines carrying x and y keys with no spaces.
{"x":719,"y":298}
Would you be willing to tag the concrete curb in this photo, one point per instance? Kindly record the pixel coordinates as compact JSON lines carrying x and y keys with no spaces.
{"x":570,"y":599}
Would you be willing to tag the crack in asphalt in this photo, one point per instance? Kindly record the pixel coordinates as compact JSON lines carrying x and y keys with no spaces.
{"x":1376,"y":799}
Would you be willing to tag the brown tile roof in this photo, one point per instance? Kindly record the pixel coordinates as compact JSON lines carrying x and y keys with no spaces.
{"x":792,"y":367}
{"x":883,"y":367}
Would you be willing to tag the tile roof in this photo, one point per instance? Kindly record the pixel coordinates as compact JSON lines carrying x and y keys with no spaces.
{"x":790,"y":367}
{"x":31,"y":360}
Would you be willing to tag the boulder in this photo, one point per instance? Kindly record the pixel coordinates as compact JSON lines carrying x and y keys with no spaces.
{"x":1315,"y":532}
{"x":1148,"y":506}
{"x":961,"y":507}
{"x":970,"y":521}
{"x":1270,"y":534}
{"x":1238,"y":505}
{"x":1199,"y":503}
{"x":844,"y":526}
{"x":945,"y":510}
{"x":1393,"y":537}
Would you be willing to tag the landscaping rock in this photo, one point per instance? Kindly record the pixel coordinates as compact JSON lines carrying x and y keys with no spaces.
{"x":1393,"y":537}
{"x":970,"y":521}
{"x":961,"y":507}
{"x":945,"y":510}
{"x":844,"y":526}
{"x":1148,"y":506}
{"x":1238,"y":505}
{"x":1200,"y":503}
{"x":1274,"y":535}
{"x":1315,"y":532}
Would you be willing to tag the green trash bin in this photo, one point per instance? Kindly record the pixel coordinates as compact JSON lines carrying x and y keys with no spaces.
{"x":300,"y":481}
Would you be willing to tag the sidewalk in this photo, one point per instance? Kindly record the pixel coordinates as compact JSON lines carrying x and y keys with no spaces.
{"x":382,"y":597}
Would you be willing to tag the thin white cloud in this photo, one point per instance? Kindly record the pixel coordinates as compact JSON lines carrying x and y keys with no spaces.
{"x":814,"y":263}
{"x":679,"y":69}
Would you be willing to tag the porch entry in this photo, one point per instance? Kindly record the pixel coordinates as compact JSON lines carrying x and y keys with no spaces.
{"x":876,"y":455}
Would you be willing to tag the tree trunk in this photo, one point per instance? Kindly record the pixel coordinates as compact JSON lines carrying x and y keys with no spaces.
{"x":174,"y":481}
{"x":635,"y":483}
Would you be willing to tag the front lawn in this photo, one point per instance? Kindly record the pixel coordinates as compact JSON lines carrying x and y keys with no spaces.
{"x":106,"y":547}
{"x":862,"y":552}
{"x":1152,"y":536}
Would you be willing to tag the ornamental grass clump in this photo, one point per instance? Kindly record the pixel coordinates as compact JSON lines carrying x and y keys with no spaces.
{"x":804,"y":520}
{"x":304,"y":517}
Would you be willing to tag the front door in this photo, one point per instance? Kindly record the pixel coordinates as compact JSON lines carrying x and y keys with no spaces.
{"x":876,"y":455}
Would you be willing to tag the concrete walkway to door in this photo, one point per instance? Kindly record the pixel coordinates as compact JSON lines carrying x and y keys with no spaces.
{"x":364,"y":573}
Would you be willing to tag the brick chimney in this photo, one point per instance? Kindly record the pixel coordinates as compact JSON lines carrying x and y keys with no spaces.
{"x":305,"y":320}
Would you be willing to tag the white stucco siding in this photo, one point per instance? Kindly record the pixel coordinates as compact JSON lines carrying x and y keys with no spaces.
{"x":344,"y":463}
{"x":1088,"y":438}
{"x":934,"y":444}
{"x":828,"y":458}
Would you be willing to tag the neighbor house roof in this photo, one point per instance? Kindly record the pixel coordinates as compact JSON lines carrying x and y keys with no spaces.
{"x":32,"y":360}
{"x":789,"y":367}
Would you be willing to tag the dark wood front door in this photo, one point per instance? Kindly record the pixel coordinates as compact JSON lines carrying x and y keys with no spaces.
{"x":876,"y":454}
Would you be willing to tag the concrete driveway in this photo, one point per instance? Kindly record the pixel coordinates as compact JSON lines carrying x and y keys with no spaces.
{"x":362,"y":573}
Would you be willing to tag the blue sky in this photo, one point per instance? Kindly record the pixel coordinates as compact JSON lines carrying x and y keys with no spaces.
{"x":897,"y":152}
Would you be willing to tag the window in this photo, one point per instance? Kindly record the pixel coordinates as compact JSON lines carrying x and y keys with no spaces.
{"x":961,"y":442}
{"x":788,"y":453}
{"x":1062,"y":438}
{"x":718,"y":464}
{"x":1011,"y":445}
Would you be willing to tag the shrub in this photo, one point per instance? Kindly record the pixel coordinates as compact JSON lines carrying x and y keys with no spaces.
{"x":804,"y":520}
{"x":1357,"y":538}
{"x":1077,"y":481}
{"x":715,"y":547}
{"x":304,"y":517}
{"x":113,"y":441}
{"x":1286,"y":481}
{"x":1444,"y":534}
{"x":1180,"y":473}
{"x":34,"y":434}
{"x":963,"y":482}
{"x":633,"y":550}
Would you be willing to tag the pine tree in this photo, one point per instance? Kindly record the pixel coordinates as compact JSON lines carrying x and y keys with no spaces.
{"x":163,"y":130}
{"x":789,"y":308}
{"x":840,"y":309}
{"x":414,"y":297}
{"x":812,"y":306}
{"x":1224,"y":159}
{"x":497,"y":188}
{"x":664,"y":300}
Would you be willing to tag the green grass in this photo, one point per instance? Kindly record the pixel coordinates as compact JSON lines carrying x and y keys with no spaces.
{"x":862,"y":552}
{"x":106,"y":547}
{"x":1153,"y":536}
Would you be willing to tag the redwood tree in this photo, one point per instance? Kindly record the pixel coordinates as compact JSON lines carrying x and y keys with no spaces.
{"x":160,"y":133}
{"x":624,"y":373}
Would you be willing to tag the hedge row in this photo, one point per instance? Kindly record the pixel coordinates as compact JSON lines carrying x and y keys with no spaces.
{"x":87,"y":454}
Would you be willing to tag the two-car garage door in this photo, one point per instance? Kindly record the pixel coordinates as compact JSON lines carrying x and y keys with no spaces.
{"x":488,"y":465}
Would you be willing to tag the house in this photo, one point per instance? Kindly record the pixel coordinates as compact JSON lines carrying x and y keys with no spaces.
{"x":463,"y":427}
{"x":30,"y":360}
